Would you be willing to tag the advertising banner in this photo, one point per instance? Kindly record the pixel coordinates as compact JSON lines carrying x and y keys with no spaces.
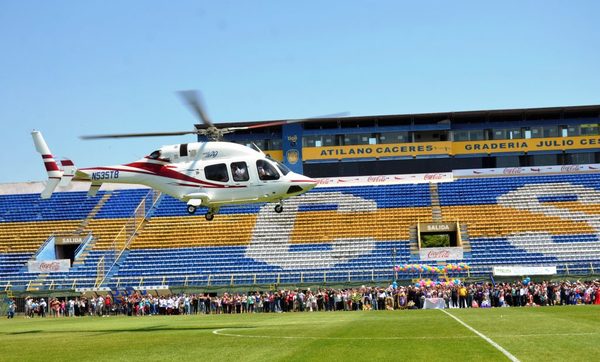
{"x":274,"y":154}
{"x":49,"y":266}
{"x":525,"y":145}
{"x":386,"y":179}
{"x":527,"y":170}
{"x":377,"y":151}
{"x":512,"y":271}
{"x":450,"y":148}
{"x":432,"y":254}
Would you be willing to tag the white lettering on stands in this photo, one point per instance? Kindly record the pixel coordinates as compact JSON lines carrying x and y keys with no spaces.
{"x":438,"y":227}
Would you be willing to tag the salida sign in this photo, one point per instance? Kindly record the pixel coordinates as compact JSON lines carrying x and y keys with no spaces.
{"x":437,"y":227}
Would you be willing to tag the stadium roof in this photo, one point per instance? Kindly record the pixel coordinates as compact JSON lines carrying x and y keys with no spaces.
{"x":496,"y":115}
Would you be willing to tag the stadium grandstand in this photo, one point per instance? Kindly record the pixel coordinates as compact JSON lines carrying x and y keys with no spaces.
{"x":502,"y":191}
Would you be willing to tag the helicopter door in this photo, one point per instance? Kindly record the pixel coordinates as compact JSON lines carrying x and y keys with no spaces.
{"x":240,"y":177}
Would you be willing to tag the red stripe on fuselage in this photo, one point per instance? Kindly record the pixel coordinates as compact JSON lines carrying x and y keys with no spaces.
{"x":161,"y":171}
{"x":164,"y":171}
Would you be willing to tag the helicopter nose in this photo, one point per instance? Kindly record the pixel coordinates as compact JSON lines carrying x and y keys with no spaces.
{"x":301,"y":184}
{"x":310,"y":184}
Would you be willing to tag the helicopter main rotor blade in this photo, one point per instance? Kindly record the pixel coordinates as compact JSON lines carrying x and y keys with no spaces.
{"x":288,"y":121}
{"x":134,"y":135}
{"x":193,"y":100}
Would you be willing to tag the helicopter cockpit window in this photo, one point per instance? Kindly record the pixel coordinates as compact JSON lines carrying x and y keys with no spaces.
{"x":154,"y":155}
{"x":239,"y":171}
{"x":266,"y":171}
{"x":216,"y":172}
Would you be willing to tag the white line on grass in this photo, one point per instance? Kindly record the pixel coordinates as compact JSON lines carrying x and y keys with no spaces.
{"x":223,"y":332}
{"x":496,"y":345}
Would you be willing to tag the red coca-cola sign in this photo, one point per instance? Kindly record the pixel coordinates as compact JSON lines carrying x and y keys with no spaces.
{"x":376,"y":179}
{"x":512,"y":171}
{"x":432,"y":254}
{"x":433,"y":176}
{"x":569,"y":168}
{"x":50,"y":266}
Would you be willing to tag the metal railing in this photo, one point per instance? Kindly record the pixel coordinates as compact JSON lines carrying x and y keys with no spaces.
{"x":81,"y":246}
{"x":99,"y":272}
{"x":282,"y":278}
{"x":128,"y":232}
{"x":37,"y":253}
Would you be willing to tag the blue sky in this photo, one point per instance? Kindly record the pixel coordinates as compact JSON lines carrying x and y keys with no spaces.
{"x":70,"y":68}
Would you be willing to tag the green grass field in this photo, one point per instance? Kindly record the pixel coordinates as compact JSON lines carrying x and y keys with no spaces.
{"x":530,"y":334}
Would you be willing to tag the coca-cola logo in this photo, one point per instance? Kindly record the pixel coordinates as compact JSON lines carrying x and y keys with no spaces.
{"x":512,"y":171}
{"x":53,"y":266}
{"x":376,"y":179}
{"x":324,"y":181}
{"x":433,"y":176}
{"x":438,"y":254}
{"x":569,"y":168}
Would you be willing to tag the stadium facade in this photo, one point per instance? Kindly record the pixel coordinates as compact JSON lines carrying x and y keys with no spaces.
{"x":543,"y":218}
{"x":432,"y":142}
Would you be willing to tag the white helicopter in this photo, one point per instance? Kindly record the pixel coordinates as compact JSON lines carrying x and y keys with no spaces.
{"x":209,"y":174}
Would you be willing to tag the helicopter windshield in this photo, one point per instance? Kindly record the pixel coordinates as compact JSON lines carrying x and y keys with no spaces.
{"x":154,"y":155}
{"x":283,"y":168}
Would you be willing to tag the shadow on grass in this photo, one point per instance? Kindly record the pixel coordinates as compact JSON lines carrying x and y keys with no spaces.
{"x":156,"y":328}
{"x":25,"y":332}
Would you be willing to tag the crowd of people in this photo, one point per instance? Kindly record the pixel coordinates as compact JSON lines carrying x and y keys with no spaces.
{"x":473,"y":295}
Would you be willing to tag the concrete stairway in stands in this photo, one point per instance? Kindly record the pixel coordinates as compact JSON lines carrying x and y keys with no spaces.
{"x":94,"y":211}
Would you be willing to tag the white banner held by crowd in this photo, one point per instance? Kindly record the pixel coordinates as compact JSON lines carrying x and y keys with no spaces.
{"x":434,"y":303}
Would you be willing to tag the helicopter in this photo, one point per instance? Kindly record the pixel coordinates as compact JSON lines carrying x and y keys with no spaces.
{"x":210,"y":174}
